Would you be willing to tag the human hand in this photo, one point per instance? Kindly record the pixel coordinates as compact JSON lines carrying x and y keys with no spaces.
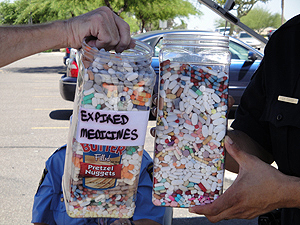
{"x":121,"y":222}
{"x":104,"y":29}
{"x":257,"y":189}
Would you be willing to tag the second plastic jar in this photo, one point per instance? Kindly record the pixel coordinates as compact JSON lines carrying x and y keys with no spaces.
{"x":191,"y":120}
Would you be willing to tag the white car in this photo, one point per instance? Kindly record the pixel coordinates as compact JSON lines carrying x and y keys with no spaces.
{"x":249,"y":40}
{"x":226,"y":32}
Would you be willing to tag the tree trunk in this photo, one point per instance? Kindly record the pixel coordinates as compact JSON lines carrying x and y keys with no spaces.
{"x":282,"y":12}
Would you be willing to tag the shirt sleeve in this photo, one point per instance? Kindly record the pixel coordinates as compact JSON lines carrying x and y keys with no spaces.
{"x":41,"y":212}
{"x":249,"y":116}
{"x":145,"y":209}
{"x":49,"y":191}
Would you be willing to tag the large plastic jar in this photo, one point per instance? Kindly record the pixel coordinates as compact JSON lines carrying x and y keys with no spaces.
{"x":191,"y":120}
{"x":107,"y":132}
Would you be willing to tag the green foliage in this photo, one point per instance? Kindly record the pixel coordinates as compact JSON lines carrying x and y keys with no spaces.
{"x":256,"y":18}
{"x":151,"y":13}
{"x":132,"y":21}
{"x":9,"y":12}
{"x":138,"y":13}
{"x":242,"y":7}
{"x":260,"y":18}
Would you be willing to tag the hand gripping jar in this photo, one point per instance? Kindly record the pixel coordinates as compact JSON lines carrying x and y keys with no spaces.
{"x":191,"y":120}
{"x":107,"y":132}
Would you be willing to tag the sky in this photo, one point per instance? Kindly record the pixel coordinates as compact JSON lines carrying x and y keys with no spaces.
{"x":206,"y":22}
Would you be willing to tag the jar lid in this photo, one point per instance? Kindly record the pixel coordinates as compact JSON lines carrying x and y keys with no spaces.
{"x":141,"y":52}
{"x":205,"y":39}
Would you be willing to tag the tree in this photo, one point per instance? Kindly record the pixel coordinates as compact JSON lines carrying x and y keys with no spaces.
{"x":9,"y":12}
{"x":163,"y":10}
{"x":259,"y":18}
{"x":138,"y":13}
{"x":242,"y":8}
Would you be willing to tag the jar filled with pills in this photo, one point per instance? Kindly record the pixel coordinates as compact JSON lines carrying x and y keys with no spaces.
{"x":107,"y":132}
{"x":191,"y":119}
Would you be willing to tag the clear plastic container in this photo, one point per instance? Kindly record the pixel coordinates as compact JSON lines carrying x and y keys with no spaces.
{"x":191,"y":120}
{"x":105,"y":143}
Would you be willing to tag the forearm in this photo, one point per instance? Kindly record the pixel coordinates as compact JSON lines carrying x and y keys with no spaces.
{"x":248,"y":145}
{"x":290,"y":192}
{"x":22,"y":41}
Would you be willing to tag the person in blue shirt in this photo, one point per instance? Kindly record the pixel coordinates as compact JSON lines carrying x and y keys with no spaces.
{"x":49,"y":207}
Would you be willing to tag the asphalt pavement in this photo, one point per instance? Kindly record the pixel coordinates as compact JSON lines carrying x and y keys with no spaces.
{"x":33,"y":123}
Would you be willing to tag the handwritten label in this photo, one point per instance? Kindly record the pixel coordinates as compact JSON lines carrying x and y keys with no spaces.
{"x":103,"y":127}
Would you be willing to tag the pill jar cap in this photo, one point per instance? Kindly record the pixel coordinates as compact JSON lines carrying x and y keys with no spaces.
{"x":205,"y":39}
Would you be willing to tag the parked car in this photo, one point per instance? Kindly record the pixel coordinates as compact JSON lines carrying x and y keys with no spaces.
{"x":67,"y":56}
{"x":270,"y":33}
{"x":244,"y":61}
{"x":249,"y":40}
{"x":225,"y":30}
{"x":67,"y":83}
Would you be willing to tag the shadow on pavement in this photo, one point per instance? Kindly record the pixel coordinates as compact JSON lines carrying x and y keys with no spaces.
{"x":44,"y":69}
{"x":61,"y":114}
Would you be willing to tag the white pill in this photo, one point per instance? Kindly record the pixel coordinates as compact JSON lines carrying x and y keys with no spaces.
{"x":204,"y":131}
{"x":210,"y":129}
{"x":173,"y":84}
{"x":216,"y":98}
{"x":219,"y":128}
{"x":175,"y":89}
{"x":188,"y":126}
{"x":192,"y":101}
{"x":173,"y":77}
{"x":111,"y":71}
{"x":220,"y":135}
{"x":88,"y":92}
{"x":172,"y":118}
{"x":132,"y":76}
{"x":189,"y":109}
{"x":216,"y":116}
{"x":219,"y":121}
{"x":192,"y":93}
{"x":188,"y":137}
{"x":194,"y":119}
{"x":166,"y":75}
{"x":202,"y":88}
{"x":166,"y":84}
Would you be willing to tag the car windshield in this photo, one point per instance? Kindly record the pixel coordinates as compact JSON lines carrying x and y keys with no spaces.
{"x":238,"y":51}
{"x":245,"y":35}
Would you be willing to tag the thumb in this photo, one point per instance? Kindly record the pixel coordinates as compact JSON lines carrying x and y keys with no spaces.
{"x":235,"y":151}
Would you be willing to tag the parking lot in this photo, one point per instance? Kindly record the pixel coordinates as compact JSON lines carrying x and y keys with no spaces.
{"x":34,"y":122}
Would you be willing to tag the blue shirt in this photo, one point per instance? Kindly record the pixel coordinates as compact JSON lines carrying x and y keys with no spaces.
{"x":49,"y":207}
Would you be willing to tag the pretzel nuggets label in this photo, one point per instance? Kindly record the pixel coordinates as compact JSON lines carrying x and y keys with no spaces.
{"x":100,"y":167}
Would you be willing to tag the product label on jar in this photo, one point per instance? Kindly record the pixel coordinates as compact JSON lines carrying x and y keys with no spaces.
{"x":103,"y":127}
{"x":100,"y":167}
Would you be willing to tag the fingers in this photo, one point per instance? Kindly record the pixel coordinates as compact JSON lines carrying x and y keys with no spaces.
{"x":215,"y":208}
{"x":234,"y":150}
{"x":103,"y":28}
{"x":152,"y":131}
{"x":230,"y":102}
{"x":124,"y":33}
{"x":121,"y":222}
